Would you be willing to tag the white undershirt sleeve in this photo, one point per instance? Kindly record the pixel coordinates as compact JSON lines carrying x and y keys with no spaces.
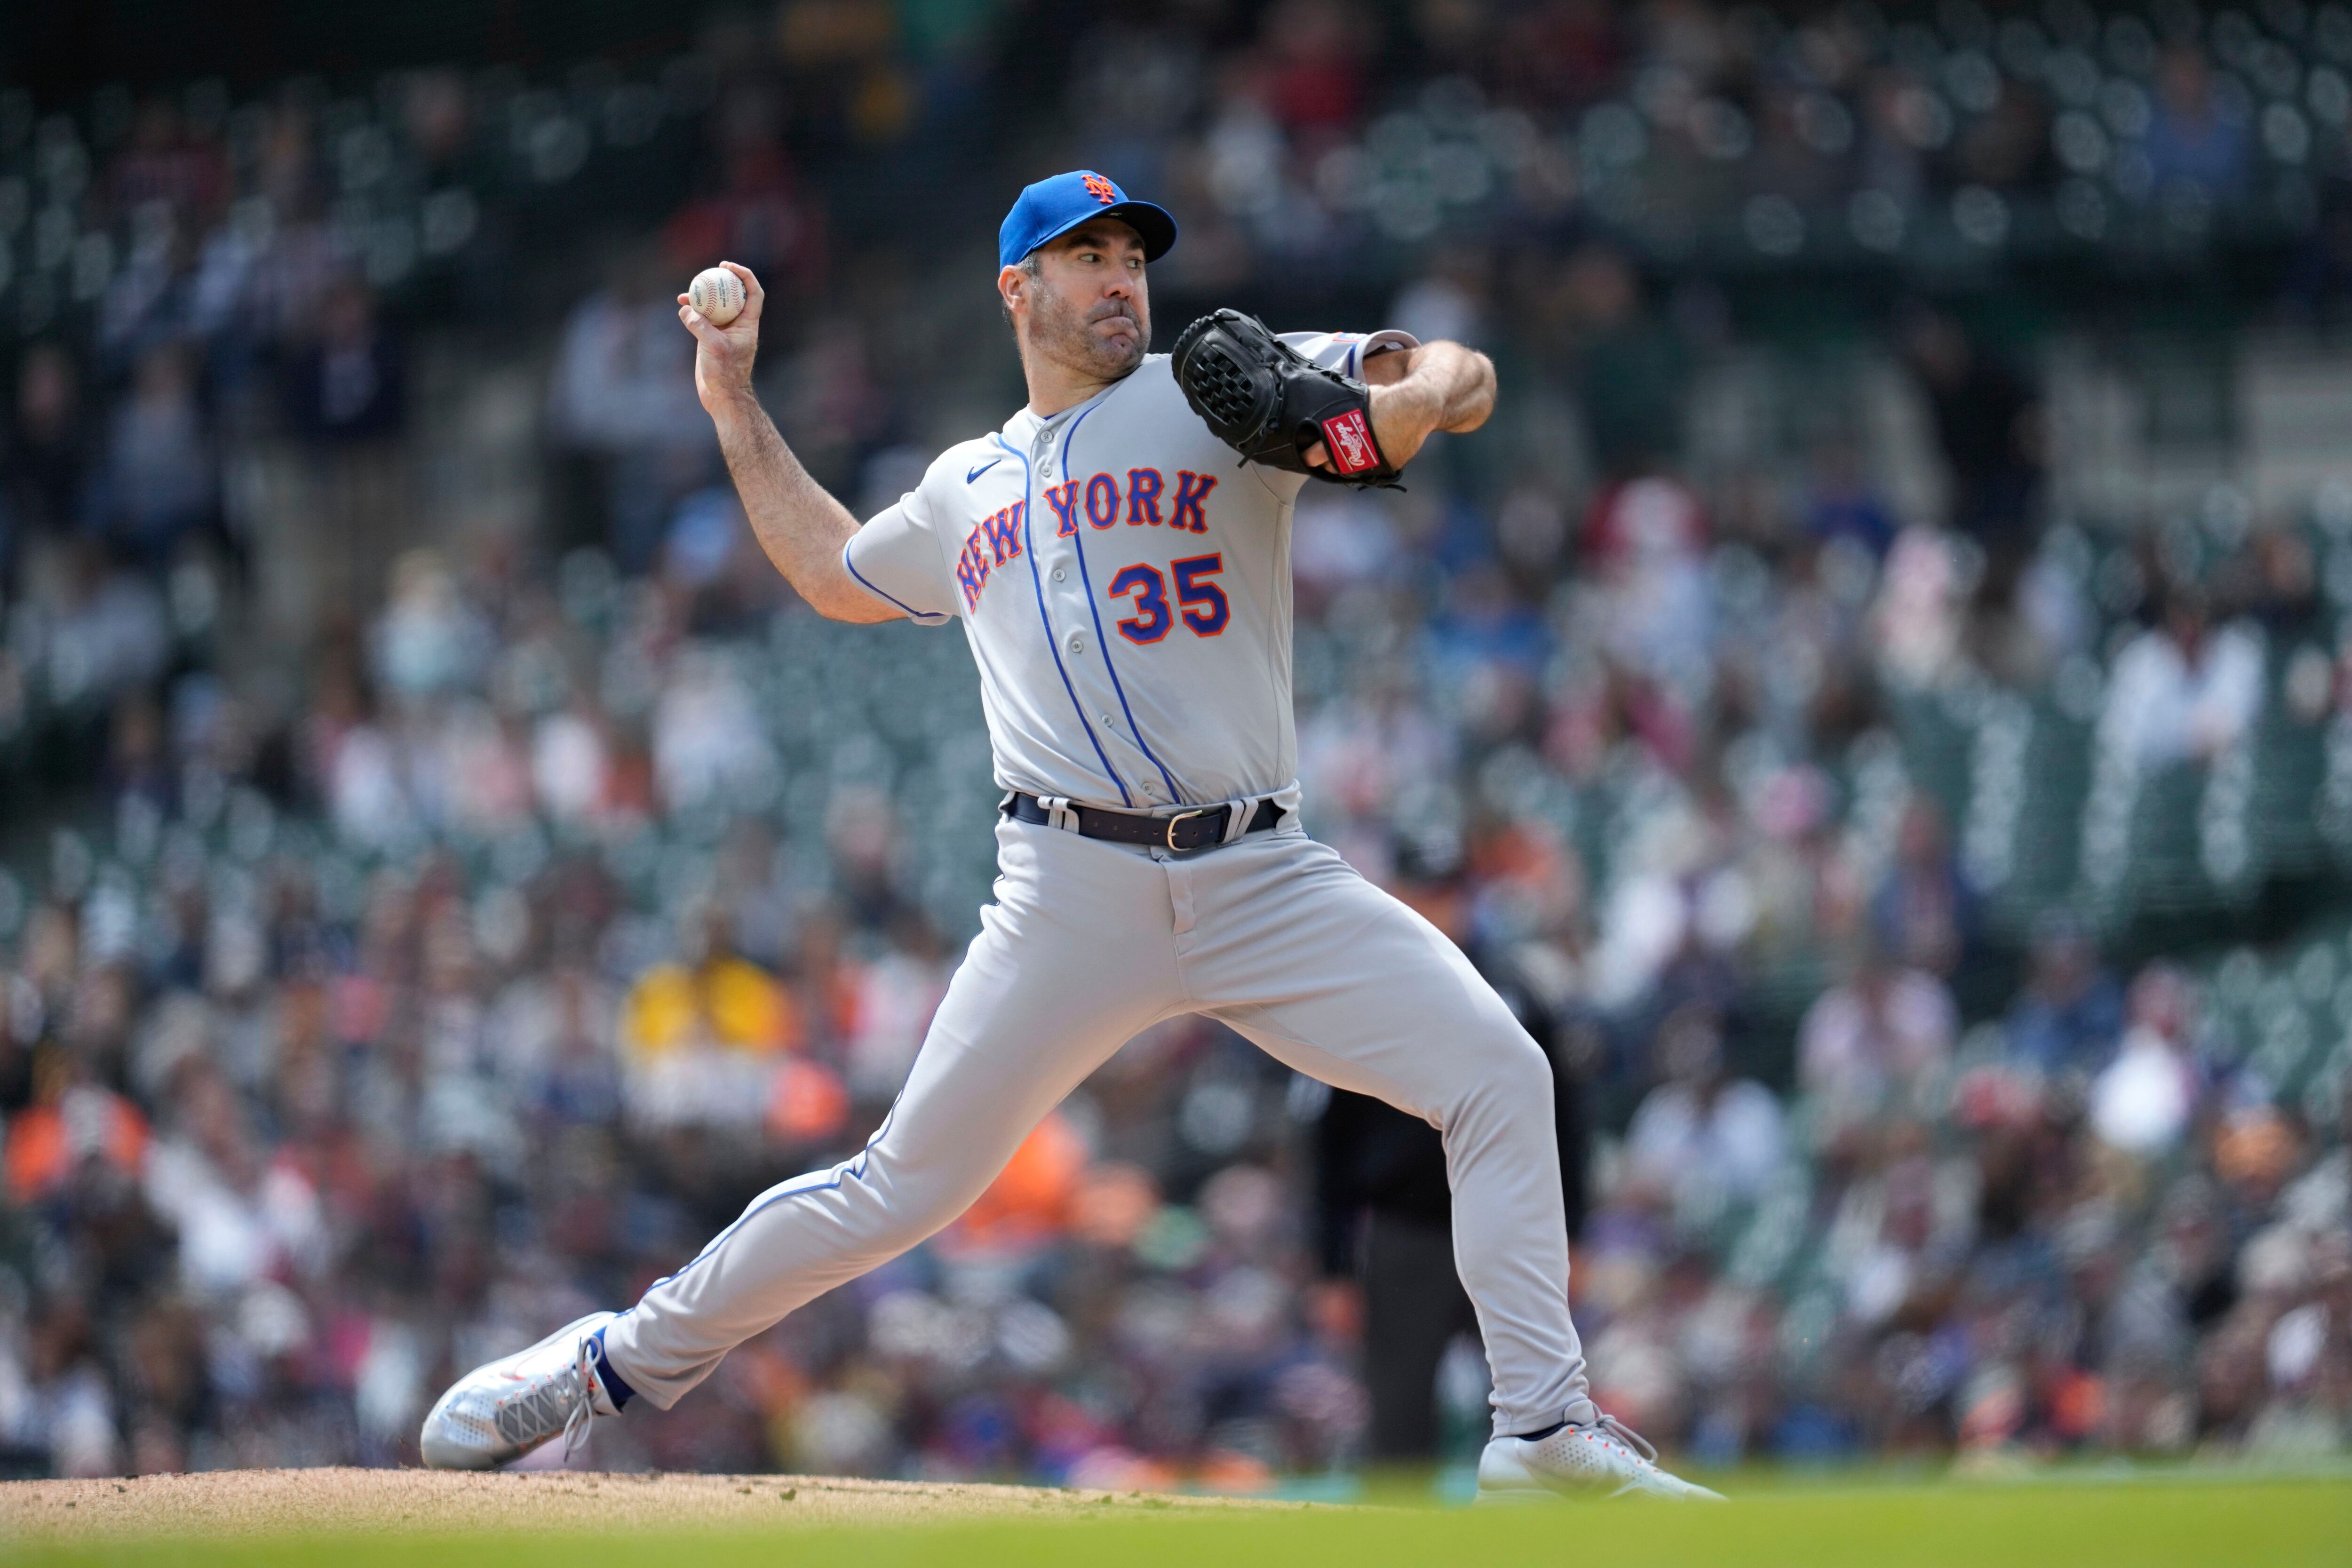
{"x":1346,"y":351}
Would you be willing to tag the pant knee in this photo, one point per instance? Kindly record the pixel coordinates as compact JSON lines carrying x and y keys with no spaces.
{"x":1525,"y":1067}
{"x":1510,"y":1077}
{"x":907,"y":1204}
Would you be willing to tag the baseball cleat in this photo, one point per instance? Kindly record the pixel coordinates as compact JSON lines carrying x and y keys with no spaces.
{"x":1605,"y":1459}
{"x":501,"y":1411}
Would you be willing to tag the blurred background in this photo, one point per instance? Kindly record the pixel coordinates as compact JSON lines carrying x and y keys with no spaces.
{"x":1876,"y":695}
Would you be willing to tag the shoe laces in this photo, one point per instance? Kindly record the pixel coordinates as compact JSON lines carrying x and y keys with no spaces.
{"x":583,"y":1411}
{"x":1627,"y":1436}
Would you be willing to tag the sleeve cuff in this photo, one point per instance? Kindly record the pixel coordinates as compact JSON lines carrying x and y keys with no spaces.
{"x":928,"y":617}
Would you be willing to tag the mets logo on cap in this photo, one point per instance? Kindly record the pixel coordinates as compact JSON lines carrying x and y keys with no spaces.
{"x":1052,"y":208}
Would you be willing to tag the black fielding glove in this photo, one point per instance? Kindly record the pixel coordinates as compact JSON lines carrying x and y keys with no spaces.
{"x":1270,"y":403}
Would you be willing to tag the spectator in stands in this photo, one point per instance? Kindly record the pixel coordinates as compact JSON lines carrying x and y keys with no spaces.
{"x":1645,"y":546}
{"x":1897,"y":112}
{"x":2067,"y":1019}
{"x":431,"y":639}
{"x":47,"y":457}
{"x":2197,"y":143}
{"x":1318,"y":50}
{"x":1702,"y":1136}
{"x":161,"y":482}
{"x":243,"y":1219}
{"x":1989,"y":425}
{"x":2283,"y":592}
{"x":829,"y":404}
{"x":622,"y":396}
{"x":2142,"y":1102}
{"x":350,"y":383}
{"x":1925,"y":914}
{"x":1867,"y":1041}
{"x":1448,"y":300}
{"x":1919,"y":620}
{"x":1840,"y":503}
{"x":1629,"y":369}
{"x":1898,"y":1242}
{"x":108,"y":630}
{"x":2183,"y":690}
{"x":164,"y":161}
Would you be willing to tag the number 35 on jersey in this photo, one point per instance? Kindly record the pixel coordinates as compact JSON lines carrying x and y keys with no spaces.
{"x":1201,"y":603}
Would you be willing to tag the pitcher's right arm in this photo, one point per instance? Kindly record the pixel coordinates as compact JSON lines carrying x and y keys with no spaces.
{"x":797,"y":522}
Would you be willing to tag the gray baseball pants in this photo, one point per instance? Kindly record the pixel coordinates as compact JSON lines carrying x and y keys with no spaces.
{"x":1087,"y":944}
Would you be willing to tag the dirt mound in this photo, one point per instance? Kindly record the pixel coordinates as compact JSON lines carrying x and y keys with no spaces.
{"x":309,"y":1501}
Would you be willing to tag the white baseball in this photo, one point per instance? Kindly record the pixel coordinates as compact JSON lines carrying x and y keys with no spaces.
{"x":718,"y":294}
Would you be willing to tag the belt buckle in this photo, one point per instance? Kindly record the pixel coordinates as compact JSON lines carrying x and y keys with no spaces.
{"x":1180,"y":816}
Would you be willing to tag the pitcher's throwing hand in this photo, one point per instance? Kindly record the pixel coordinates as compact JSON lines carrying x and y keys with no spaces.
{"x":723,"y":352}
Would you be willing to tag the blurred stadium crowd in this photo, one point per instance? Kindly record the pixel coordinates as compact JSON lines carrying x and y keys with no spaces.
{"x":431,"y":913}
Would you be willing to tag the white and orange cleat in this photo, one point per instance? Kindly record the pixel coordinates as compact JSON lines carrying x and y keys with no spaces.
{"x":501,"y":1411}
{"x":1604,"y":1459}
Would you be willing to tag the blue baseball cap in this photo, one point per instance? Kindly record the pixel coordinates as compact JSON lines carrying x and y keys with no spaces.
{"x":1051,"y":208}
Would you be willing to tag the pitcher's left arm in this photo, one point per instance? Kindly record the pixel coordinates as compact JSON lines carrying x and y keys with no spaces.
{"x":1420,"y":390}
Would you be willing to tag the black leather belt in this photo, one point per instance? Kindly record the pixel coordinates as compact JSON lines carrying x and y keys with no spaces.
{"x":1197,"y":827}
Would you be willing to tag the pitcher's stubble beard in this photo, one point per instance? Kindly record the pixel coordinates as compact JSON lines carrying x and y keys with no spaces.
{"x":1058,"y":330}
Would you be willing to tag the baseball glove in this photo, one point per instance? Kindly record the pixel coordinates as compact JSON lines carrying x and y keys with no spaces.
{"x":1270,"y":403}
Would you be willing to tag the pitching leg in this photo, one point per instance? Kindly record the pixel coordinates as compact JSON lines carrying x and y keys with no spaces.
{"x":1332,"y":976}
{"x":1072,"y":960}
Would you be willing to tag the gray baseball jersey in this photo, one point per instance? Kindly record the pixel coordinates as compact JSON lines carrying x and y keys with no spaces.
{"x":1125,"y":583}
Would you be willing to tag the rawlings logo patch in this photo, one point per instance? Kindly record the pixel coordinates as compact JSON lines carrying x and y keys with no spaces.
{"x":1102,"y":190}
{"x":1349,"y":441}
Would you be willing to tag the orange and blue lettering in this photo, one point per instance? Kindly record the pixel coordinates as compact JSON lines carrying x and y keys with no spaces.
{"x":1102,"y":500}
{"x":1063,"y":499}
{"x":1143,"y":487}
{"x":971,"y":570}
{"x":1003,"y":532}
{"x":1191,"y":490}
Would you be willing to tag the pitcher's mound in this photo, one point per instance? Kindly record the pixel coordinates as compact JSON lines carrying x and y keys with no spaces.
{"x":325,"y":1500}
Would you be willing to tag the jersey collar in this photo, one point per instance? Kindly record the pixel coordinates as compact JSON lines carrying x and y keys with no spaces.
{"x":1025,"y":426}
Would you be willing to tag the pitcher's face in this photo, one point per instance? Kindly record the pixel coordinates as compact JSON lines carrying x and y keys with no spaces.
{"x":1088,"y":308}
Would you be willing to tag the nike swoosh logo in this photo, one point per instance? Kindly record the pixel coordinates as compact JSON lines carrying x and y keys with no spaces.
{"x":982,"y":470}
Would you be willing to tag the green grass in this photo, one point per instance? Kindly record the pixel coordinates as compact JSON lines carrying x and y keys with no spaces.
{"x":2141,"y":1524}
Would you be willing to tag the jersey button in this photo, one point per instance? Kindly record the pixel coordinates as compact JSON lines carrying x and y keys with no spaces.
{"x":1060,"y":573}
{"x":1106,"y":719}
{"x":1077,"y":642}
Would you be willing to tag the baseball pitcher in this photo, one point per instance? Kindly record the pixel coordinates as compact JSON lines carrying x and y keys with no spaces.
{"x":1124,"y":579}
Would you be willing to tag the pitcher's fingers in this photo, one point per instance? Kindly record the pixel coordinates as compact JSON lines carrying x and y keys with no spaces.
{"x":753,"y":295}
{"x":1316,"y":458}
{"x":699,"y":325}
